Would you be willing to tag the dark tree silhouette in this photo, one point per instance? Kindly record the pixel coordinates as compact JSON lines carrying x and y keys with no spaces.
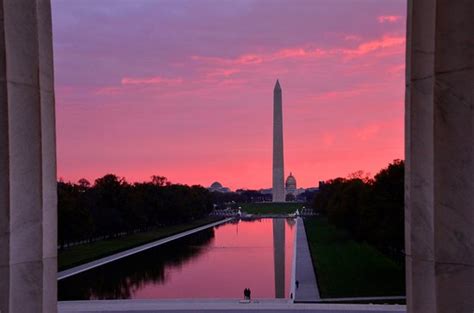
{"x":370,"y":209}
{"x":113,"y":207}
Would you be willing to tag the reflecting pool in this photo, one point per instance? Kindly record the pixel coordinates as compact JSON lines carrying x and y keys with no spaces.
{"x":215,"y":263}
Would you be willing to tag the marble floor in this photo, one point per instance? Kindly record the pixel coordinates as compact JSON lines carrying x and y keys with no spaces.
{"x":219,"y":305}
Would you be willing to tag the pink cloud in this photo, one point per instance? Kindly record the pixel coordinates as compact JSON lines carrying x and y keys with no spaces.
{"x":352,"y":38}
{"x":110,"y":90}
{"x":389,"y":18}
{"x":223,"y":72}
{"x":150,"y":80}
{"x":233,"y":82}
{"x":291,"y":53}
{"x":337,"y":95}
{"x":254,"y":58}
{"x":387,"y":41}
{"x":245,"y":59}
{"x":250,"y":59}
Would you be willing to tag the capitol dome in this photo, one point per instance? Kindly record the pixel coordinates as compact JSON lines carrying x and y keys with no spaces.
{"x":290,"y":184}
{"x":216,"y":185}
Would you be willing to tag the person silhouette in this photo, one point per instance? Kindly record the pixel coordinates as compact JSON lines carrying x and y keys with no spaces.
{"x":246,"y":293}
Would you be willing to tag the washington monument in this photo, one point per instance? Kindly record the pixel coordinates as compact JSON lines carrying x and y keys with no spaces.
{"x":278,"y":189}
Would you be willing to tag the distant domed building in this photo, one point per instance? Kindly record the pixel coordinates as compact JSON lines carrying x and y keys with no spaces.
{"x":216,"y":186}
{"x":290,"y":185}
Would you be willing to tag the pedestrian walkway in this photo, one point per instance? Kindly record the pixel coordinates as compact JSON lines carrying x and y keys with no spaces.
{"x":120,"y":255}
{"x":305,"y":284}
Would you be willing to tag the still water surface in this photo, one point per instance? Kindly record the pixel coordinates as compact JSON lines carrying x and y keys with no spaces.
{"x":215,"y":263}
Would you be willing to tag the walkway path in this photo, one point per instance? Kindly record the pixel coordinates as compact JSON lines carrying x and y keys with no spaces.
{"x":219,"y":305}
{"x":123,"y":254}
{"x":304,"y":271}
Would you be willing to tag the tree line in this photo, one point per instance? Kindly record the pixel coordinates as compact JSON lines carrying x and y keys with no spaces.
{"x":223,"y":199}
{"x":112,"y":207}
{"x":371,"y":209}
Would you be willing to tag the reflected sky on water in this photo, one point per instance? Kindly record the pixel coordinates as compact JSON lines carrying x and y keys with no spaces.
{"x":215,"y":263}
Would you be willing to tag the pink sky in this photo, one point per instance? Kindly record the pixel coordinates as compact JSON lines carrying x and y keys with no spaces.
{"x":184,"y":89}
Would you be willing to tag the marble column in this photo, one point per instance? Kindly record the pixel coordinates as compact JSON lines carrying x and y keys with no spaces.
{"x":454,"y":156}
{"x":28,"y":200}
{"x":4,"y":179}
{"x":419,"y":230}
{"x":439,"y":216}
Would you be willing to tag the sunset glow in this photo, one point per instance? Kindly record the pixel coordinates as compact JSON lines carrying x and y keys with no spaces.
{"x":184,"y":89}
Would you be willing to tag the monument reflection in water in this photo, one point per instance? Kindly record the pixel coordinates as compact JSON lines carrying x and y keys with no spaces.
{"x":214,"y":263}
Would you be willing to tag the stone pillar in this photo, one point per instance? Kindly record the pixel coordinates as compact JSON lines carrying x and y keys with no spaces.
{"x":439,"y":216}
{"x":4,"y":178}
{"x":454,"y":156}
{"x":419,"y":230}
{"x":28,"y":204}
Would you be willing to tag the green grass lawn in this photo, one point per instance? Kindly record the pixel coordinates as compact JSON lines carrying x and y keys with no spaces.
{"x":346,"y":268}
{"x":270,"y":207}
{"x":78,"y":255}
